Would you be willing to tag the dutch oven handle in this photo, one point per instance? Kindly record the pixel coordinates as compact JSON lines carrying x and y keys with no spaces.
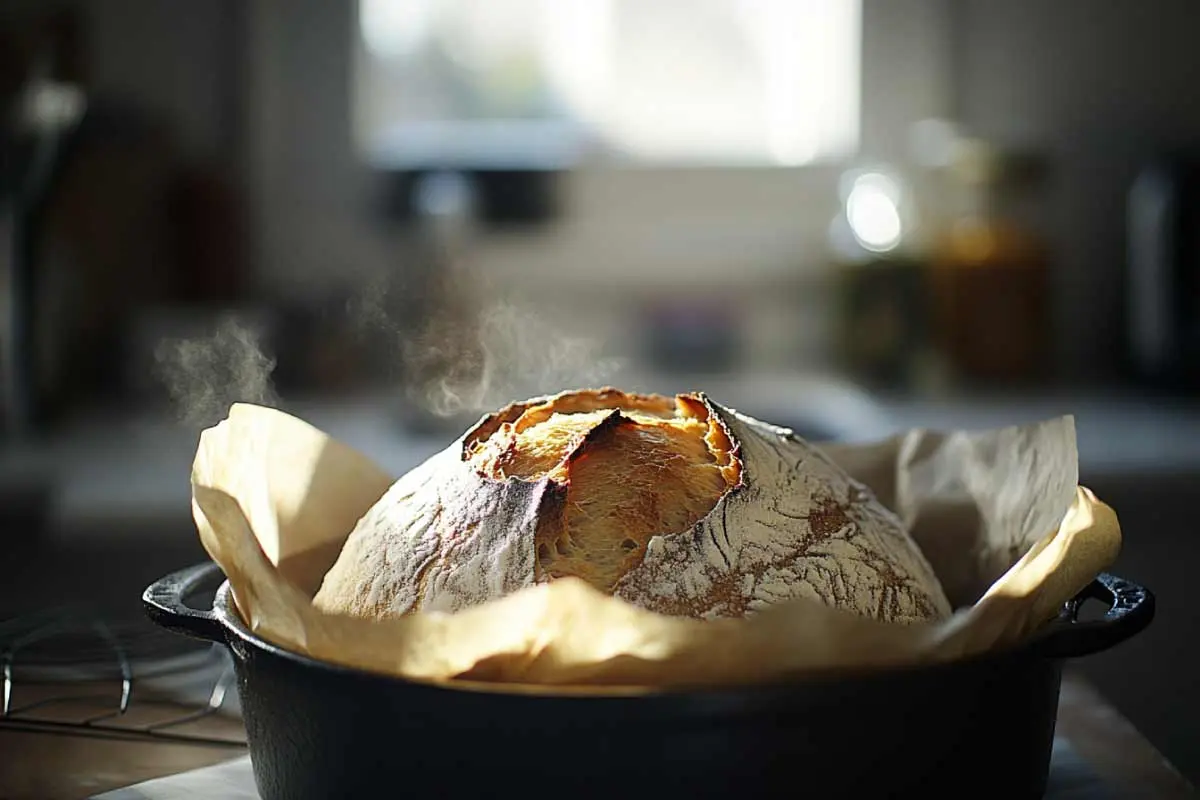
{"x":165,"y":602}
{"x":1130,"y":610}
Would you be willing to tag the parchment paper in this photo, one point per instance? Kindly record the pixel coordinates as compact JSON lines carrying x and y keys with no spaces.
{"x":999,"y":515}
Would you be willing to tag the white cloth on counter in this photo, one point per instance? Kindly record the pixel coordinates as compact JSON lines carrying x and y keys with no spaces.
{"x":229,"y":780}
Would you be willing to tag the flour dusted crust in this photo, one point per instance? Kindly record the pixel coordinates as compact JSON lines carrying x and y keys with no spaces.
{"x":797,"y":526}
{"x":677,"y":505}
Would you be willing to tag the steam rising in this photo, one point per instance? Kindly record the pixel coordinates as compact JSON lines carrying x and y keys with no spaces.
{"x":454,"y":357}
{"x":511,"y":354}
{"x":461,"y":359}
{"x":205,"y":376}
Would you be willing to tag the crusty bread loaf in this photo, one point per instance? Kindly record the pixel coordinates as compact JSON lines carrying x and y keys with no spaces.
{"x":677,"y":505}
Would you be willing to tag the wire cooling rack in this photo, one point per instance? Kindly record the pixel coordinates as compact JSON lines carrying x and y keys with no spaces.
{"x":71,"y":671}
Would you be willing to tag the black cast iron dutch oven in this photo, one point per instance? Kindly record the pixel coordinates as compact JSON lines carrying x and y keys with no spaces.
{"x":976,"y":727}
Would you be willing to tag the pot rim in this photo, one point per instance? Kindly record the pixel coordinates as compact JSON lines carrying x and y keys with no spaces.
{"x":1130,"y":610}
{"x":226,"y":612}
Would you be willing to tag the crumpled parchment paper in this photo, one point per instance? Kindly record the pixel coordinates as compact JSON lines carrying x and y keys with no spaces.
{"x":998,"y":514}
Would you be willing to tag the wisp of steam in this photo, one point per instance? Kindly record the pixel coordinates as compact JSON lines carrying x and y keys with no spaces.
{"x":204,"y":376}
{"x":454,"y":361}
{"x":460,"y":360}
{"x":511,"y":354}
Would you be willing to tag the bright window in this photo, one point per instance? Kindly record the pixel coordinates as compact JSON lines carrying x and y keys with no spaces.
{"x":642,"y":82}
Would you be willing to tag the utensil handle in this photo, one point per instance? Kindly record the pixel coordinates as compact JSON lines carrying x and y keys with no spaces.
{"x":165,"y":602}
{"x":1130,"y":610}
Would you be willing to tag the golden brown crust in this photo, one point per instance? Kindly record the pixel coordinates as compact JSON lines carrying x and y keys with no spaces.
{"x":623,"y":468}
{"x":583,"y":401}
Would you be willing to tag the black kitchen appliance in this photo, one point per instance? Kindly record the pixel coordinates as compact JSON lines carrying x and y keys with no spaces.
{"x":1163,"y":274}
{"x":321,"y":730}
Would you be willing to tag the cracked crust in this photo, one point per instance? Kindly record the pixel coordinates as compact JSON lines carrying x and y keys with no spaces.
{"x":621,"y":470}
{"x":677,"y":505}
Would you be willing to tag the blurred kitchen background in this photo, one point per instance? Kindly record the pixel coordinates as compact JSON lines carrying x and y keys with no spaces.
{"x":848,"y":217}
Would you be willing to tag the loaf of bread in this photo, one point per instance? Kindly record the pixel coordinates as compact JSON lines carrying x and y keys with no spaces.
{"x":677,"y":505}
